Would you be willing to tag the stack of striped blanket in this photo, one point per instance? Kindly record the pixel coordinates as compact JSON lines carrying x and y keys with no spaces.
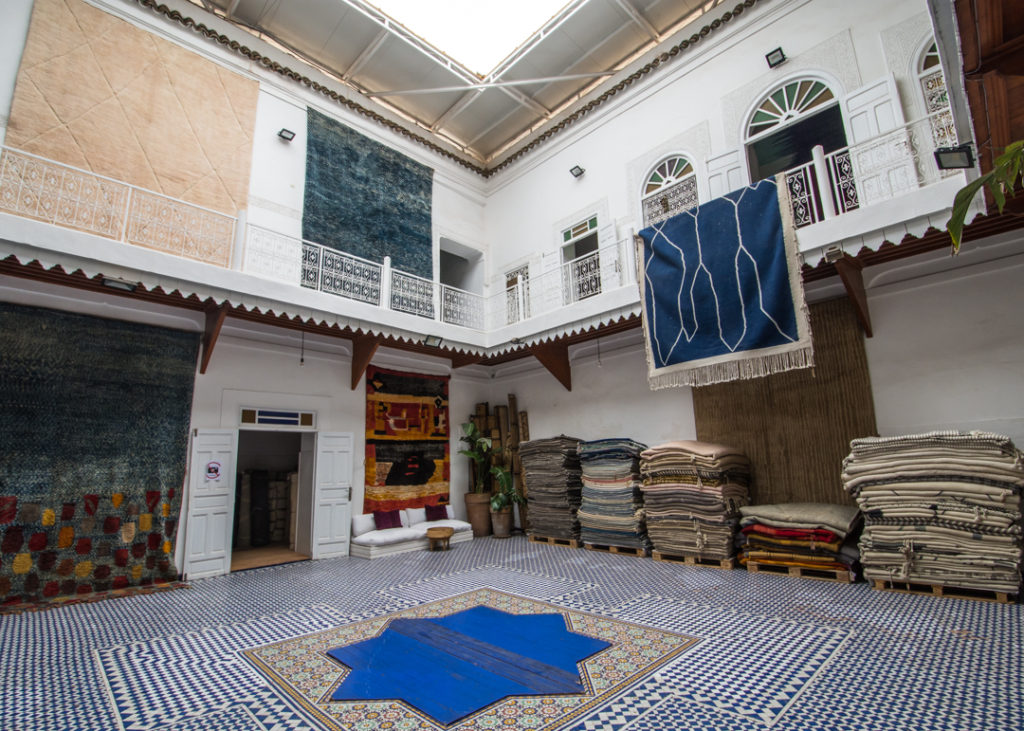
{"x":611,"y":512}
{"x":692,"y":495}
{"x":806,"y":535}
{"x":940,"y":508}
{"x":551,"y":471}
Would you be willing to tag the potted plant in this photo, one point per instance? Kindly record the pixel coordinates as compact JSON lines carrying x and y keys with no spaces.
{"x":502,"y":501}
{"x":478,"y":449}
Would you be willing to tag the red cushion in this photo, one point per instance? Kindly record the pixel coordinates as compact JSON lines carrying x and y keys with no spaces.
{"x":386,"y":519}
{"x":436,"y":512}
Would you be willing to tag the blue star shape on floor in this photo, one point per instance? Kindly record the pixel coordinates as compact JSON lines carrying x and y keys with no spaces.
{"x":450,"y":667}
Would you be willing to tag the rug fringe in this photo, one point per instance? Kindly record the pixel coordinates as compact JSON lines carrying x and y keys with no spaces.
{"x":734,"y":370}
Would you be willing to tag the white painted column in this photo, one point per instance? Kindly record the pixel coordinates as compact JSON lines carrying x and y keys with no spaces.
{"x":13,"y":32}
{"x":828,"y":206}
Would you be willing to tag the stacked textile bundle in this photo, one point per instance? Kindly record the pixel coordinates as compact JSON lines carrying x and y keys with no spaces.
{"x":551,"y":471}
{"x":692,"y":494}
{"x":805,"y":535}
{"x":611,"y":512}
{"x":940,"y":508}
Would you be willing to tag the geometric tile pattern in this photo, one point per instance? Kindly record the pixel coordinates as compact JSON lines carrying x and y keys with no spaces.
{"x":776,"y":652}
{"x":302,"y":668}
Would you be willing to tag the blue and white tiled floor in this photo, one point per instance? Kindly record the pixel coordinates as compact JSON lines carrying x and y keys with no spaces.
{"x":774,"y":652}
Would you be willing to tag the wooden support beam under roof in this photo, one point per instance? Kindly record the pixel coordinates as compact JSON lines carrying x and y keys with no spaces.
{"x":465,"y":359}
{"x":851,"y":273}
{"x":215,"y":316}
{"x":555,"y":357}
{"x":363,"y":348}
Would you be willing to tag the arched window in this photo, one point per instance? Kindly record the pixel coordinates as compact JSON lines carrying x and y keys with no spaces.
{"x":788,"y":123}
{"x":936,"y":97}
{"x":782,"y":133}
{"x":669,"y":189}
{"x":933,"y":83}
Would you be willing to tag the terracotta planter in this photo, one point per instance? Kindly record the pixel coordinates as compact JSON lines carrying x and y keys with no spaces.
{"x":502,"y":522}
{"x":478,"y":510}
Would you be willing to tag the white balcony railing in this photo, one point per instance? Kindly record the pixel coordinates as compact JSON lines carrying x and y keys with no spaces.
{"x":882,"y":168}
{"x":34,"y":187}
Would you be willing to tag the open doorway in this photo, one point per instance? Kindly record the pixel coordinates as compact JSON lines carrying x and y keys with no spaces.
{"x":266,"y":526}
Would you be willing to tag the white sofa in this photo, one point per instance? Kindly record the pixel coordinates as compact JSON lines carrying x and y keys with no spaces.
{"x":370,"y":542}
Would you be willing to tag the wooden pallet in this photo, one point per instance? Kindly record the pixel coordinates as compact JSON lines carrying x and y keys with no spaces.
{"x":570,"y":542}
{"x":840,"y":575}
{"x":914,"y":587}
{"x":627,"y":551}
{"x":715,"y":563}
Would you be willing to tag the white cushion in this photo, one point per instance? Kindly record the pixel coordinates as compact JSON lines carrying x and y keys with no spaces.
{"x":416,"y":515}
{"x":403,"y":518}
{"x":387,"y":536}
{"x":457,"y":525}
{"x":362,"y":524}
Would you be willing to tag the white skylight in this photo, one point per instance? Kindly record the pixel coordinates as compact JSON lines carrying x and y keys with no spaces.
{"x":478,"y":34}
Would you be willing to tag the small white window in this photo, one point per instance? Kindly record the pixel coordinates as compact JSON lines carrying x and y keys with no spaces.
{"x":581,"y":265}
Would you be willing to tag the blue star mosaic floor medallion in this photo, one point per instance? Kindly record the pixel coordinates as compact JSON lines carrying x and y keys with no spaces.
{"x":479,"y":660}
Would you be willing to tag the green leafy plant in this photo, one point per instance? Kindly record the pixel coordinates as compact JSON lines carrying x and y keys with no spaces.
{"x":506,"y":494}
{"x":479,"y":450}
{"x":1000,"y":181}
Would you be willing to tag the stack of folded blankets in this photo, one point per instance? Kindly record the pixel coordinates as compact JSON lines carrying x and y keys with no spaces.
{"x":551,"y":472}
{"x":804,"y":535}
{"x":692,"y":495}
{"x":611,"y":512}
{"x":942,"y":508}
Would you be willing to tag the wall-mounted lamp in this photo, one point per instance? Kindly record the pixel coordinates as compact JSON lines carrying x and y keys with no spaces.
{"x":775,"y":58}
{"x":122,"y":284}
{"x":954,"y":158}
{"x":577,"y":171}
{"x":432,"y":341}
{"x":286,"y":134}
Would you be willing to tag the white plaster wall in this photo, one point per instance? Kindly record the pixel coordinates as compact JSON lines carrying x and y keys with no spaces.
{"x":278,"y":177}
{"x":610,"y":400}
{"x":948,"y":352}
{"x":13,"y":32}
{"x":247,"y":373}
{"x":611,"y":144}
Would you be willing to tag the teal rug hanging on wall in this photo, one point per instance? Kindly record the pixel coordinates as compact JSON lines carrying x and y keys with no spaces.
{"x":366,"y":199}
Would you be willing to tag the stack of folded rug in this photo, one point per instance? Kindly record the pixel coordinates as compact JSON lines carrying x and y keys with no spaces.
{"x":611,"y":512}
{"x":805,"y":535}
{"x":551,"y":471}
{"x":940,"y":508}
{"x":692,"y":495}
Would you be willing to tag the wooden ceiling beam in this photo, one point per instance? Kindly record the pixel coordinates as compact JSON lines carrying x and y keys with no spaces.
{"x":215,"y":317}
{"x":363,"y":349}
{"x":555,"y":357}
{"x":851,"y":272}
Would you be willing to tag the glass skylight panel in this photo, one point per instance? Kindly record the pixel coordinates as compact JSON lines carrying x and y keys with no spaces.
{"x":479,"y":34}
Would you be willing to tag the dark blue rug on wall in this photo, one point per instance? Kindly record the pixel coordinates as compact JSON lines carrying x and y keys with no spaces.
{"x":365,"y":198}
{"x":94,"y":419}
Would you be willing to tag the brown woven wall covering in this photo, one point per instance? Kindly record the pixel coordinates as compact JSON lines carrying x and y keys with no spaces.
{"x":796,"y":427}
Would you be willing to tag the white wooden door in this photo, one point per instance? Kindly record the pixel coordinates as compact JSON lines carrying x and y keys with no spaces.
{"x":332,"y":510}
{"x":211,"y":503}
{"x":882,"y":157}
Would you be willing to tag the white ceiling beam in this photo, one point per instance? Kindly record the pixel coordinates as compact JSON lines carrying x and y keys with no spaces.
{"x":639,"y":19}
{"x":493,"y":84}
{"x":364,"y":56}
{"x":464,"y":101}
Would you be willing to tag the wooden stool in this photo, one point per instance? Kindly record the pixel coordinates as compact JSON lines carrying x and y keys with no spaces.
{"x":438,"y":538}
